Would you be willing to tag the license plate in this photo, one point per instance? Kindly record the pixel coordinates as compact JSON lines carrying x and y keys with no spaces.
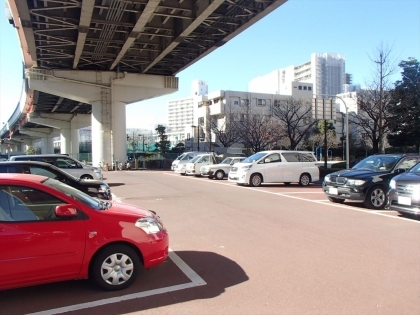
{"x":333,"y":191}
{"x":404,"y":201}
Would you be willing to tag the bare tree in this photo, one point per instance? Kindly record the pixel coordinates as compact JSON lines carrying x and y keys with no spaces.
{"x":295,"y":116}
{"x":258,"y":131}
{"x":225,"y":130}
{"x":375,"y":100}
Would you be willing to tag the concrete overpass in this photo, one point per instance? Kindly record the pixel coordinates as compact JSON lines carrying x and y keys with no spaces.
{"x":84,"y":60}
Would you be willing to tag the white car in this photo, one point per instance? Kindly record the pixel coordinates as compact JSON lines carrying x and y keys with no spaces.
{"x":180,"y":168}
{"x":277,"y":166}
{"x":193,"y":167}
{"x":183,"y":159}
{"x":221,"y":170}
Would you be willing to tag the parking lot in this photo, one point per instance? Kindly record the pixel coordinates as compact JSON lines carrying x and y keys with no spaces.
{"x":241,"y":250}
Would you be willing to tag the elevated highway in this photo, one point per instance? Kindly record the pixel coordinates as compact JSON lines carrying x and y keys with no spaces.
{"x":84,"y":60}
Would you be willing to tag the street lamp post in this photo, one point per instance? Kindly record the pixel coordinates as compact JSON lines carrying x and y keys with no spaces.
{"x":347,"y":127}
{"x":198,"y":139}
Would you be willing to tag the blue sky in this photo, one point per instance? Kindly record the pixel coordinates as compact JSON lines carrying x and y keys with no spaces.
{"x":288,"y":36}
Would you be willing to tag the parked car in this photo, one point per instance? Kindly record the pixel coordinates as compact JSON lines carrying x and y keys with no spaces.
{"x":94,"y":188}
{"x":193,"y":166}
{"x":404,"y":193}
{"x":65,"y":162}
{"x":276,"y":166}
{"x":53,"y":232}
{"x":220,"y":170}
{"x":368,"y":180}
{"x":184,"y":158}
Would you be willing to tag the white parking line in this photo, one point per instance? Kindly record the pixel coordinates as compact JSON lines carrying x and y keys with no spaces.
{"x":196,"y":281}
{"x":329,"y":204}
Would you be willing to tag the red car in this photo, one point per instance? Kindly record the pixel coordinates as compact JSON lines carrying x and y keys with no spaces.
{"x":52,"y":232}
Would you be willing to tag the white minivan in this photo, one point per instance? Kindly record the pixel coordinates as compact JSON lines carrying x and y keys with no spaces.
{"x":178,"y":166}
{"x":277,"y":166}
{"x":193,"y":166}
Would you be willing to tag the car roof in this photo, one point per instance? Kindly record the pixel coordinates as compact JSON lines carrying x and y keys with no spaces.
{"x":41,"y":155}
{"x":21,"y":178}
{"x":28,"y":162}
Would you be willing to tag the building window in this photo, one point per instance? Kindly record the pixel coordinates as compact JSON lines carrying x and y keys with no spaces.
{"x":235,"y":102}
{"x":305,"y":88}
{"x":300,"y":87}
{"x":261,"y":102}
{"x":309,"y":88}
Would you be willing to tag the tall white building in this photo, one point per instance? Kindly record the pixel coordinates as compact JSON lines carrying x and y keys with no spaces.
{"x":181,"y":113}
{"x":325,"y":71}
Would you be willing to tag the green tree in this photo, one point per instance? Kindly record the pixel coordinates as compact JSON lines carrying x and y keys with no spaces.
{"x":405,"y":122}
{"x":162,"y":144}
{"x":30,"y":151}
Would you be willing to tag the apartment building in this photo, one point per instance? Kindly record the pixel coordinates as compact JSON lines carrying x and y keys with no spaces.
{"x":222,"y":103}
{"x":326,"y":72}
{"x":181,"y":113}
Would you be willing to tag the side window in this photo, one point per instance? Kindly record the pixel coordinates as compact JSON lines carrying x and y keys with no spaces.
{"x":306,"y":157}
{"x":272,"y":158}
{"x":8,"y":169}
{"x":45,"y":160}
{"x":407,"y":163}
{"x":26,"y":204}
{"x":41,"y":171}
{"x":66,"y":163}
{"x":291,"y":156}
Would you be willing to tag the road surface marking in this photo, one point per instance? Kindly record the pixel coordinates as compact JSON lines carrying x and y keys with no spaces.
{"x":329,"y":204}
{"x":196,"y":281}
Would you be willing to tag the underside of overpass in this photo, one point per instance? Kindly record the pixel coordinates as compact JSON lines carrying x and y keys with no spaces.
{"x":91,"y":57}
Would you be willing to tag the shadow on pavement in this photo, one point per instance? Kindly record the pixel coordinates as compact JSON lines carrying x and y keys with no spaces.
{"x":217,"y":271}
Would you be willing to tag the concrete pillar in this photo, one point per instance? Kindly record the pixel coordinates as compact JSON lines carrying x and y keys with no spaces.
{"x":98,"y":137}
{"x":108,"y":134}
{"x":44,"y":145}
{"x":119,"y":131}
{"x":47,"y":145}
{"x":65,"y":138}
{"x":108,"y":92}
{"x":74,"y":147}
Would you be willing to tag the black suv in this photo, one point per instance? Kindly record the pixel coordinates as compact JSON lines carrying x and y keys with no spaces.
{"x":94,"y":188}
{"x":368,"y":180}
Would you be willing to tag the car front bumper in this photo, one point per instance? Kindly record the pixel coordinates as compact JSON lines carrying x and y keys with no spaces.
{"x":344,"y":192}
{"x":403,"y":204}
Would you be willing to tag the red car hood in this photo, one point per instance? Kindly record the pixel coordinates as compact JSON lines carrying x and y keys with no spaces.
{"x":124,"y":208}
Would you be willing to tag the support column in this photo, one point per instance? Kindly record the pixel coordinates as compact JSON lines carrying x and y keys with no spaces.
{"x":44,"y":145}
{"x":74,"y":146}
{"x":47,"y":145}
{"x":65,"y":139}
{"x":119,"y":131}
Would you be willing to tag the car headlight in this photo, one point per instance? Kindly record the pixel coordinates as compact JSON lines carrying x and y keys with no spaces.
{"x":327,"y":178}
{"x":96,"y":170}
{"x":355,"y":182}
{"x":246,"y":167}
{"x":392,"y":184}
{"x":148,"y":225}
